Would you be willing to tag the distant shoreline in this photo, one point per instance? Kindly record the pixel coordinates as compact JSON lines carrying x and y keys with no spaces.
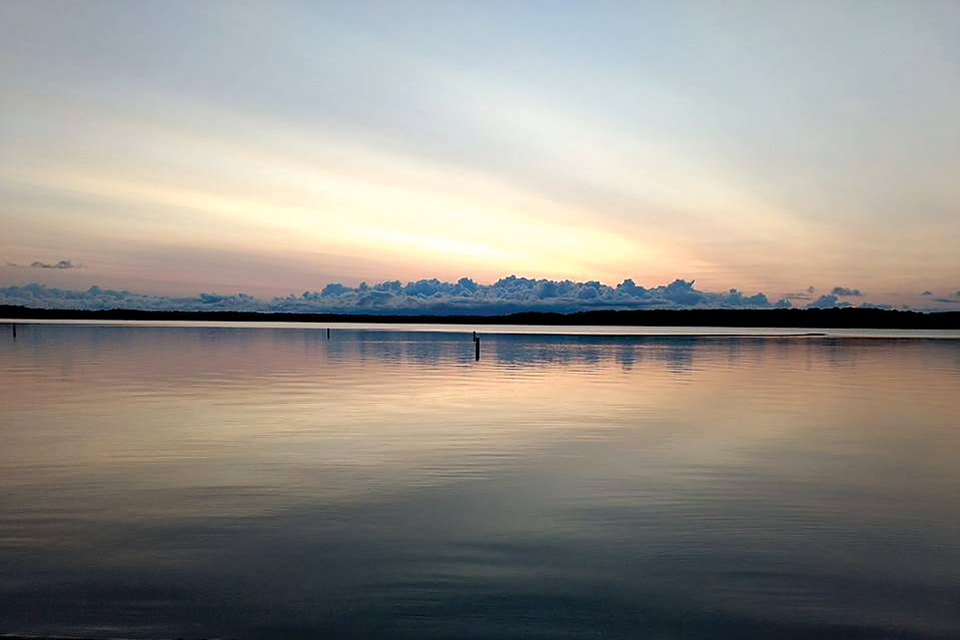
{"x":846,"y":318}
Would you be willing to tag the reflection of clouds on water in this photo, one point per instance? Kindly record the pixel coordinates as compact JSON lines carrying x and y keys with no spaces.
{"x":241,"y":347}
{"x":533,"y":350}
{"x":625,"y":356}
{"x":220,"y":478}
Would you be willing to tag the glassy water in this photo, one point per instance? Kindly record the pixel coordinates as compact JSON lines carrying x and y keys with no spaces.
{"x":270,"y":483}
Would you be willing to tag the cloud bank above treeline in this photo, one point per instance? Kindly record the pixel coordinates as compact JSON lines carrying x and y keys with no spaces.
{"x":508,"y":295}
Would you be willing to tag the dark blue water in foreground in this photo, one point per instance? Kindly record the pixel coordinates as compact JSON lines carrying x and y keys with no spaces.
{"x":271,"y":484}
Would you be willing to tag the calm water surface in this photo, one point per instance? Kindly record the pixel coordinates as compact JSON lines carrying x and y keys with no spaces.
{"x":269,"y":483}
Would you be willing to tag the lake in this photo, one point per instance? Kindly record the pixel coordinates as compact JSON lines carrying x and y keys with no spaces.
{"x":179,"y":480}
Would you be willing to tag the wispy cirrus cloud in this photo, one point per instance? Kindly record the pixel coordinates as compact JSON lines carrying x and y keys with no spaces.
{"x":800,"y":295}
{"x":38,"y":264}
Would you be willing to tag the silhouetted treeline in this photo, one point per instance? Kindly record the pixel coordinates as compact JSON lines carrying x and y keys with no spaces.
{"x":853,"y":318}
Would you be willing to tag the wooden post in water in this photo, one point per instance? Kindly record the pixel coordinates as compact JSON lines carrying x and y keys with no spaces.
{"x":14,"y":325}
{"x":476,"y":342}
{"x":328,"y":333}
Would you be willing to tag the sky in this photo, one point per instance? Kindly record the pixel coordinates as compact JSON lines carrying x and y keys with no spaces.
{"x":791,"y":150}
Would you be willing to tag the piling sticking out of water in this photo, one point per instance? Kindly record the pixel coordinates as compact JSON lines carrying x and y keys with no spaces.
{"x":476,"y":342}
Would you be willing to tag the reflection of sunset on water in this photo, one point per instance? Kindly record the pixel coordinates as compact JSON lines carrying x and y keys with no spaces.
{"x":644,"y":464}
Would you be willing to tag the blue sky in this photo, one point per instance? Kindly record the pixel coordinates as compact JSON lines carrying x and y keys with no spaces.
{"x":274,"y":148}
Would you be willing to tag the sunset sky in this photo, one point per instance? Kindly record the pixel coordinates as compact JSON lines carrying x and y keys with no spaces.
{"x":272,"y":148}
